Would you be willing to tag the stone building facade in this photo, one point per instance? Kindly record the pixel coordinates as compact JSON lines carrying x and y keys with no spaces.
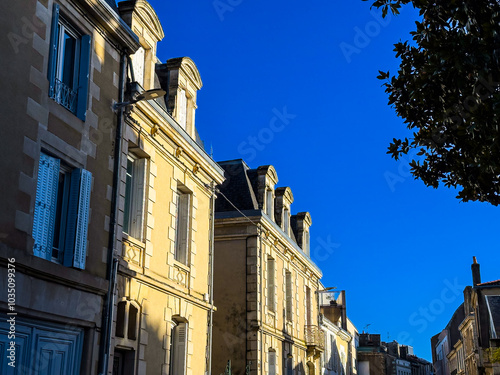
{"x":266,"y":285}
{"x":60,"y":71}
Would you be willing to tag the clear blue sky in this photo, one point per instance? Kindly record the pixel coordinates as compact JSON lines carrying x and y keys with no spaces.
{"x":402,"y":251}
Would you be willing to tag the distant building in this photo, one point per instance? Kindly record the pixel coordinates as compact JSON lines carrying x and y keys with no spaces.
{"x":339,"y":356}
{"x":467,"y":344}
{"x":381,"y":358}
{"x":266,"y":285}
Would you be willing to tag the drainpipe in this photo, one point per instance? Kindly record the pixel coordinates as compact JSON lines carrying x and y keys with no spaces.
{"x":112,"y":263}
{"x":211,"y":277}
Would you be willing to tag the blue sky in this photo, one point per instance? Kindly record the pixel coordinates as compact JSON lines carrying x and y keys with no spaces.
{"x":293,"y":84}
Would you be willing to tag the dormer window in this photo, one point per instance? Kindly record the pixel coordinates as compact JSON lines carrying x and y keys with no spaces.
{"x":138,"y":59}
{"x":305,"y":241}
{"x":182,"y":108}
{"x":286,"y":221}
{"x":269,"y":203}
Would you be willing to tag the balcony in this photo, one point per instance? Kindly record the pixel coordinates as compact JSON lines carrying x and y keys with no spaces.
{"x":315,"y":340}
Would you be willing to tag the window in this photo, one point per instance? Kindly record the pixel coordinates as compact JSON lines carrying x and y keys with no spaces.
{"x":134,"y":196}
{"x":271,"y":362}
{"x":182,"y":227}
{"x":289,"y":295}
{"x":289,"y":365}
{"x":182,"y":108}
{"x":61,"y":212}
{"x":68,"y":70}
{"x":308,"y":306}
{"x":127,"y":320}
{"x":286,"y":221}
{"x":269,"y":203}
{"x":270,"y":284}
{"x":305,"y":241}
{"x":178,"y":345}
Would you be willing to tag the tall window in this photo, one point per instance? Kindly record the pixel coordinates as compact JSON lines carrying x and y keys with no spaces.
{"x":178,"y":349}
{"x":68,"y":69}
{"x":269,"y":203}
{"x":134,"y":196}
{"x":306,"y":242}
{"x":289,"y":365}
{"x":308,"y":306}
{"x":271,"y":361}
{"x":61,"y":216}
{"x":182,"y":229}
{"x":182,"y":108}
{"x":270,"y":284}
{"x":289,"y":295}
{"x":286,"y":221}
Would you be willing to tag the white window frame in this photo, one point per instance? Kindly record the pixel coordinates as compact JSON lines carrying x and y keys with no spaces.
{"x":271,"y":293}
{"x":269,"y":203}
{"x":133,"y":218}
{"x":288,"y":296}
{"x":178,"y":348}
{"x":183,"y":205}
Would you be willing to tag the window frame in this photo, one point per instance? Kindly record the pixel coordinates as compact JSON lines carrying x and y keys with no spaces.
{"x":81,"y":69}
{"x":135,"y":197}
{"x":271,"y":292}
{"x":183,"y":225}
{"x":69,"y":214}
{"x":181,"y":361}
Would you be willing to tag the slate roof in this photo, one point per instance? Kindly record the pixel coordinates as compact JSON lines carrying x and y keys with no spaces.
{"x":237,"y":187}
{"x":494,"y":309}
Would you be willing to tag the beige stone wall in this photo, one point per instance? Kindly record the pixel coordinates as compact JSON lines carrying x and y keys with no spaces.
{"x":238,"y":246}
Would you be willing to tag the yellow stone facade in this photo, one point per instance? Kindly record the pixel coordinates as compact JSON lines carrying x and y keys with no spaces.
{"x":156,"y":291}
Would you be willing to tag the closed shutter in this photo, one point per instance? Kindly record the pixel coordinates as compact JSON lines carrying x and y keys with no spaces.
{"x":45,"y":206}
{"x":54,"y":32}
{"x":182,"y":108}
{"x":182,"y":228}
{"x":289,"y":300}
{"x":137,"y":209}
{"x":82,"y":223}
{"x":83,"y":77}
{"x":272,"y":363}
{"x":180,"y":342}
{"x":270,"y":284}
{"x":75,"y":246}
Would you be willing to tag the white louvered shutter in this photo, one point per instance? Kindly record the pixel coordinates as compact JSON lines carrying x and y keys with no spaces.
{"x":180,"y":344}
{"x":45,"y":206}
{"x":272,"y":363}
{"x":182,"y":108}
{"x":182,"y":228}
{"x":289,"y":297}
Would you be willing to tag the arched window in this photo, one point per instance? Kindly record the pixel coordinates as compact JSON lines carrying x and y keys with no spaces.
{"x":271,"y":361}
{"x":178,"y":348}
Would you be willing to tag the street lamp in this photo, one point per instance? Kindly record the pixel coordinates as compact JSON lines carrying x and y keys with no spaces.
{"x":146,"y":95}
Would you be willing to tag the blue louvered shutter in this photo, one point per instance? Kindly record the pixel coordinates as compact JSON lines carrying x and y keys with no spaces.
{"x":45,"y":206}
{"x":83,"y":77}
{"x":75,"y":247}
{"x":82,"y":220}
{"x":54,"y":33}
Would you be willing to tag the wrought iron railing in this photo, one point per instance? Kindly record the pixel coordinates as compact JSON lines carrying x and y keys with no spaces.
{"x":64,"y":95}
{"x":314,"y":336}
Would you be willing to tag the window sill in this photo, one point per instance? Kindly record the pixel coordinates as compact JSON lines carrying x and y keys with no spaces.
{"x":133,"y":241}
{"x":182,"y":266}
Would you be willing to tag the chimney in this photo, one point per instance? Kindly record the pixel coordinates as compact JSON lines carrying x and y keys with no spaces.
{"x":476,"y":274}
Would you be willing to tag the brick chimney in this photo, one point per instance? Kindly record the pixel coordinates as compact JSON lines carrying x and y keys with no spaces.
{"x":476,"y":274}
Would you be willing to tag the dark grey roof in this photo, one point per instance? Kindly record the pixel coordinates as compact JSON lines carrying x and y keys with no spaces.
{"x":237,"y":187}
{"x":494,"y":308}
